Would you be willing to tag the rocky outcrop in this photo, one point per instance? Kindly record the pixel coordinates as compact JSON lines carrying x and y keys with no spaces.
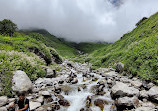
{"x":21,"y":82}
{"x":122,"y":89}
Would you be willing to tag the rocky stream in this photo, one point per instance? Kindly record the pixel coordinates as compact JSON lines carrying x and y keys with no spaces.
{"x":78,"y":88}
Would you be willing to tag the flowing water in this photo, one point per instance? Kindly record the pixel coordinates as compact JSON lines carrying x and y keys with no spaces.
{"x":77,"y":98}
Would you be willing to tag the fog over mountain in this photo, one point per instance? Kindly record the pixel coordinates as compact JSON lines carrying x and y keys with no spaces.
{"x":79,"y":20}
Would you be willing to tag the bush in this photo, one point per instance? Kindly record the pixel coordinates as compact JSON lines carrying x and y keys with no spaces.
{"x":7,"y":27}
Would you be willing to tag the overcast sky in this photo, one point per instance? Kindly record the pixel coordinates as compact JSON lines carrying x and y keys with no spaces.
{"x":78,"y":20}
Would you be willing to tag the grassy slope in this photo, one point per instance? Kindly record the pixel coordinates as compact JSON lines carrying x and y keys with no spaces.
{"x":51,"y":41}
{"x":138,"y":50}
{"x":15,"y":55}
{"x":89,"y":47}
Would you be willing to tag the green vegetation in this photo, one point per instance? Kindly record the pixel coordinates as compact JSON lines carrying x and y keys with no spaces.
{"x":7,"y":27}
{"x":14,"y":60}
{"x":89,"y":47}
{"x":51,"y":41}
{"x":138,"y":50}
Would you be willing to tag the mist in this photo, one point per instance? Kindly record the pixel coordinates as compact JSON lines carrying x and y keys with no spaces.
{"x":79,"y":20}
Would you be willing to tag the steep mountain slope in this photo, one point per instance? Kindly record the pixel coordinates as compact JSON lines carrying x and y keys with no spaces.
{"x":23,"y":52}
{"x":138,"y":50}
{"x":51,"y":41}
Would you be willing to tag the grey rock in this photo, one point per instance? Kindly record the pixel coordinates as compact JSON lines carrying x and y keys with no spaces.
{"x":120,"y":67}
{"x":127,"y":101}
{"x":3,"y":100}
{"x":153,"y":92}
{"x":21,"y":82}
{"x":120,"y":90}
{"x":34,"y":105}
{"x":40,"y":99}
{"x":50,"y":73}
{"x":143,"y":94}
{"x":3,"y":109}
{"x":137,"y":83}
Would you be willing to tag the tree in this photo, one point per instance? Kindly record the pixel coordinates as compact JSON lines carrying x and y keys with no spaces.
{"x":7,"y":27}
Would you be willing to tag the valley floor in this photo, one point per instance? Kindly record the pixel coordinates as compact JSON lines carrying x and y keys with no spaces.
{"x":78,"y":88}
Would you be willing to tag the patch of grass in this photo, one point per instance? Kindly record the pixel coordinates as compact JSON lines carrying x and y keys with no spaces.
{"x":14,"y":60}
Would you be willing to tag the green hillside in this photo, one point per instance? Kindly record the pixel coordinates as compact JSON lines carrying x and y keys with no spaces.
{"x":138,"y":50}
{"x":51,"y":41}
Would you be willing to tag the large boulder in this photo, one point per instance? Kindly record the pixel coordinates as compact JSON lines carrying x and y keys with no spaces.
{"x":120,"y":67}
{"x":21,"y":82}
{"x":127,"y":102}
{"x":3,"y":100}
{"x":153,"y":93}
{"x":121,"y":89}
{"x":137,"y":83}
{"x":100,"y":103}
{"x":50,"y":73}
{"x":3,"y":109}
{"x":34,"y":105}
{"x":64,"y":102}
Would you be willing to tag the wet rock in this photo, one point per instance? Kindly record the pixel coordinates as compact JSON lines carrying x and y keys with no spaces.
{"x":64,"y":102}
{"x":57,"y":90}
{"x":48,"y":100}
{"x":83,"y":86}
{"x":74,"y":81}
{"x":34,"y":105}
{"x":21,"y":82}
{"x":61,"y":82}
{"x":88,"y":102}
{"x":85,"y":109}
{"x":94,"y":79}
{"x":3,"y":100}
{"x":55,"y":106}
{"x":127,"y":103}
{"x":50,"y":73}
{"x":60,"y":97}
{"x":79,"y":89}
{"x":121,"y":90}
{"x":66,"y":89}
{"x":120,"y":67}
{"x":100,"y":103}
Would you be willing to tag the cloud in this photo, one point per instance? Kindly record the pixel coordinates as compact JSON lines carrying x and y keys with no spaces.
{"x":79,"y":20}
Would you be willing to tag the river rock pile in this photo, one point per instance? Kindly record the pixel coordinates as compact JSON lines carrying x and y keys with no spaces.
{"x":109,"y":91}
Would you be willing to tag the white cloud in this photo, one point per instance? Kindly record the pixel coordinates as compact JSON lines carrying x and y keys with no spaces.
{"x":78,"y":20}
